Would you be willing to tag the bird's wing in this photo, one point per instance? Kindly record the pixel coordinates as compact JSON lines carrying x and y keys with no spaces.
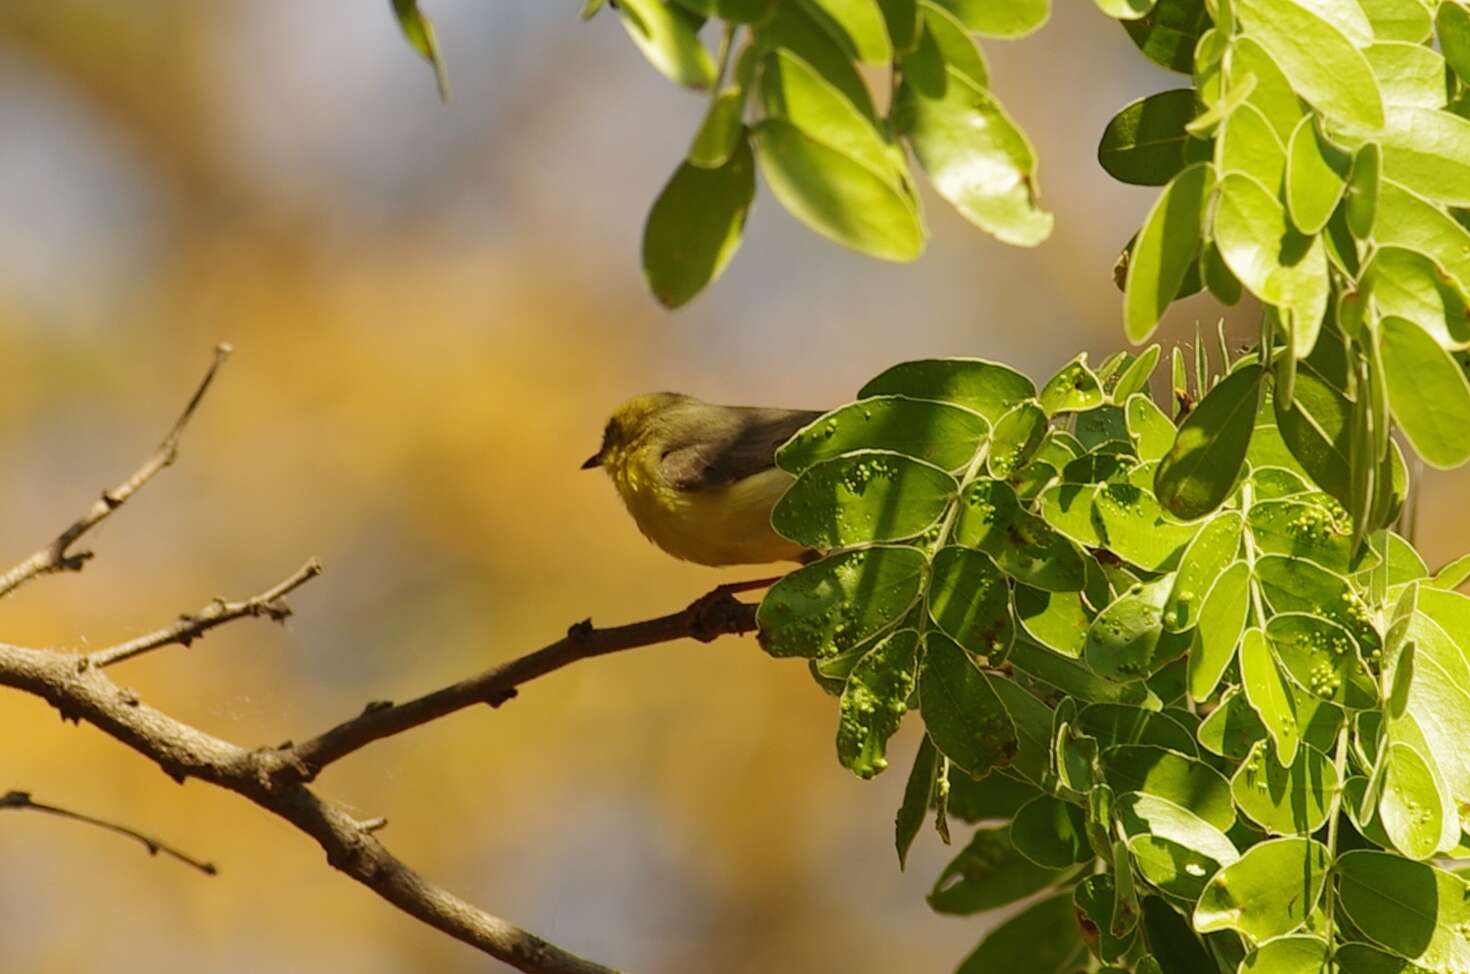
{"x":715,"y":452}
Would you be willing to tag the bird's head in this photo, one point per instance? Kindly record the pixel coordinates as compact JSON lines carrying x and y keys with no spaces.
{"x":630,"y":426}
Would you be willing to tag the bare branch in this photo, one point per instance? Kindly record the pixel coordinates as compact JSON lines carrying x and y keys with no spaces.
{"x":182,"y":751}
{"x":270,"y":603}
{"x":58,"y":556}
{"x":715,"y":614}
{"x":23,"y":800}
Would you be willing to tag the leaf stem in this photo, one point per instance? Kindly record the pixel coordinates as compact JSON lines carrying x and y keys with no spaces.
{"x":1329,"y":900}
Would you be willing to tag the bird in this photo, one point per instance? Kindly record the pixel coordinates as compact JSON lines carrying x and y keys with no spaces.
{"x":700,"y":480}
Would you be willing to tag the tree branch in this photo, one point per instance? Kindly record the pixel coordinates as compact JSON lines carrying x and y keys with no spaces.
{"x":85,"y":693}
{"x":270,"y":603}
{"x":716,"y":614}
{"x":79,"y":687}
{"x":58,"y":556}
{"x":23,"y":800}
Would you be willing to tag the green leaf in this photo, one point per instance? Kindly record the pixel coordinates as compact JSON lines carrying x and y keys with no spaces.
{"x":1407,"y":284}
{"x":965,"y":718}
{"x":1408,"y":74}
{"x":1271,"y":890}
{"x":1001,"y":18}
{"x":916,"y":792}
{"x":1017,"y":435}
{"x":1074,"y":678}
{"x":1321,"y":62}
{"x":1452,"y":26}
{"x":1322,"y":657}
{"x":1057,"y":620}
{"x":721,"y":133}
{"x":1144,"y":814}
{"x":418,"y":30}
{"x":668,"y":37}
{"x":1051,"y":833}
{"x":986,"y":387}
{"x":1306,"y":527}
{"x":1316,"y":431}
{"x":869,"y":495}
{"x":1145,"y":144}
{"x":1168,"y":37}
{"x":904,"y":23}
{"x":1136,"y":529}
{"x":1095,"y":901}
{"x":1042,"y":939}
{"x":1298,"y":954}
{"x":874,"y":702}
{"x":999,"y":795}
{"x":795,"y":92}
{"x":1200,"y":471}
{"x":1072,"y":390}
{"x":1298,"y":585}
{"x":944,"y":43}
{"x":1410,"y":805}
{"x":1188,"y":783}
{"x":1413,"y":909}
{"x":1361,"y":194}
{"x":1111,"y":724}
{"x":1126,"y":640}
{"x":1136,"y":376}
{"x":1398,"y":20}
{"x":1213,"y":549}
{"x":988,"y":873}
{"x":970,"y":601}
{"x":1068,"y":509}
{"x":837,"y":196}
{"x":834,"y":605}
{"x":1166,"y":249}
{"x":1221,"y":622}
{"x":1402,"y":219}
{"x":1149,"y":426}
{"x":1277,"y":264}
{"x":1172,"y":944}
{"x":1273,"y":95}
{"x":1248,"y":144}
{"x":861,"y":22}
{"x":695,"y":226}
{"x":976,"y":157}
{"x":1316,"y":175}
{"x":1023,"y":545}
{"x":939,"y":433}
{"x":1426,"y":152}
{"x":1269,"y":695}
{"x":801,"y":29}
{"x":1033,"y":721}
{"x":1286,"y":801}
{"x":1427,"y":391}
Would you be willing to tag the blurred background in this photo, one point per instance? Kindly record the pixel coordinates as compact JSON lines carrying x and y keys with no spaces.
{"x":434,"y":308}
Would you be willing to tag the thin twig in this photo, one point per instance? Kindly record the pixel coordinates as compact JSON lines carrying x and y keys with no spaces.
{"x":58,"y":556}
{"x":23,"y":800}
{"x":715,"y":614}
{"x":270,"y":603}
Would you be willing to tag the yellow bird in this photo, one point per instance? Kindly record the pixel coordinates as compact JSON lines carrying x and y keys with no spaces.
{"x":700,"y":480}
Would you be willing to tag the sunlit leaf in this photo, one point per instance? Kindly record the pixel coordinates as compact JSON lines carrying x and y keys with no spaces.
{"x":969,"y":600}
{"x":1286,"y":801}
{"x":989,"y":388}
{"x":418,"y":30}
{"x":1427,"y":390}
{"x":833,"y":605}
{"x":1221,"y":623}
{"x":1321,"y":62}
{"x":1001,"y":18}
{"x":1411,"y":908}
{"x":1145,"y":144}
{"x":1165,"y":250}
{"x":668,"y":36}
{"x":1269,"y":695}
{"x":937,"y":432}
{"x":1188,"y":783}
{"x":695,"y":226}
{"x":1269,"y":891}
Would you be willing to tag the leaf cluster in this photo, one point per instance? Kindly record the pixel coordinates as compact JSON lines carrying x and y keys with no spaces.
{"x":1180,"y":699}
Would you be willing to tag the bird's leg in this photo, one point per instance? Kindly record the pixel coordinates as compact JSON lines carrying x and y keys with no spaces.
{"x":718,"y":611}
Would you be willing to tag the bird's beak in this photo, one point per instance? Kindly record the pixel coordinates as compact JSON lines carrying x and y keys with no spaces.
{"x":593,"y":461}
